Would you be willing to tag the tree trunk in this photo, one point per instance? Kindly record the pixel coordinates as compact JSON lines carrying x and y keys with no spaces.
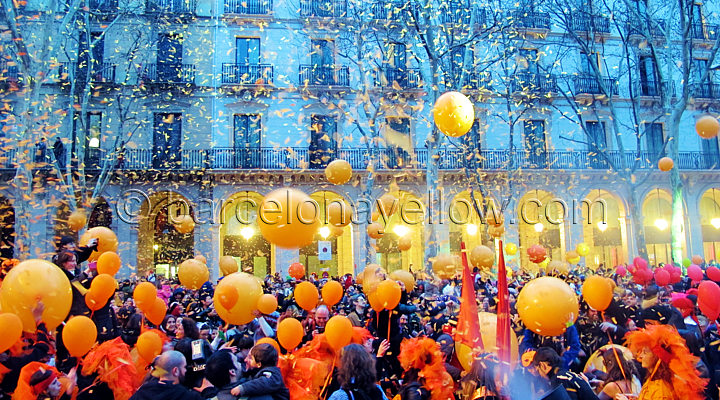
{"x":676,"y":187}
{"x":431,"y":177}
{"x":635,"y":209}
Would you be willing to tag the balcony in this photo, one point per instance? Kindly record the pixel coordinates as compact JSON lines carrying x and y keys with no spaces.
{"x":391,"y":11}
{"x":103,"y":7}
{"x":704,"y":32}
{"x":588,"y":84}
{"x":323,"y":8}
{"x":298,"y":158}
{"x":169,"y":74}
{"x":708,"y":91}
{"x":531,"y":20}
{"x":478,"y":81}
{"x":171,"y":7}
{"x":248,"y":7}
{"x":589,"y":23}
{"x":454,"y":14}
{"x":655,"y":28}
{"x":398,"y":78}
{"x":103,"y":73}
{"x":247,"y":74}
{"x":538,"y":84}
{"x":315,"y":75}
{"x":9,"y":72}
{"x":655,"y":89}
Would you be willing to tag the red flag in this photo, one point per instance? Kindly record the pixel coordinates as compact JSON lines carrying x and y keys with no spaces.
{"x":503,"y":311}
{"x":468,"y":325}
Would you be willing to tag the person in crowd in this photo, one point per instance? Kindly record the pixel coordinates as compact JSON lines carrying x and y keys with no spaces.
{"x":479,"y":382}
{"x":267,"y":379}
{"x":549,"y":365}
{"x":357,"y":315}
{"x":82,"y":253}
{"x":621,"y":376}
{"x":166,"y":376}
{"x":567,"y":344}
{"x":224,"y":372}
{"x":356,"y":376}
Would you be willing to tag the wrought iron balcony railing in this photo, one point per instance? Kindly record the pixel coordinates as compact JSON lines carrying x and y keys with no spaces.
{"x":708,"y":91}
{"x":299,"y":158}
{"x":530,"y":19}
{"x":588,"y":84}
{"x":317,"y":75}
{"x":165,"y":73}
{"x":405,"y":78}
{"x":104,"y":6}
{"x":655,"y":89}
{"x":248,"y":7}
{"x":655,"y":28}
{"x":478,"y":81}
{"x":323,"y":8}
{"x":581,"y":22}
{"x":391,"y":11}
{"x":171,"y":7}
{"x":247,"y":74}
{"x":102,"y":73}
{"x":706,"y":32}
{"x":9,"y":72}
{"x":534,"y":83}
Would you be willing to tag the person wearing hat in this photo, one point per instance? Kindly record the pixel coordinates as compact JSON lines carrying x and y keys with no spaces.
{"x":41,"y":381}
{"x":82,"y":253}
{"x":548,"y":364}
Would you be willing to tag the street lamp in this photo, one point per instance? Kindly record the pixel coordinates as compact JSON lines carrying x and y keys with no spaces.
{"x":539,"y":227}
{"x":661,"y":224}
{"x":471,"y":229}
{"x":602,"y":226}
{"x":324,"y":232}
{"x":401,"y":230}
{"x":247,"y":232}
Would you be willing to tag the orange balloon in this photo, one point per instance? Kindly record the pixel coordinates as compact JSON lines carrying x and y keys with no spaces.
{"x":149,"y":345}
{"x":405,"y":277}
{"x":306,"y":295}
{"x":482,"y":257}
{"x":404,"y":243}
{"x":697,"y":260}
{"x":389,"y":204}
{"x":249,"y":290}
{"x":388,"y":293}
{"x":338,"y":172}
{"x":185,"y":224}
{"x":11,"y":327}
{"x":338,"y":332}
{"x":144,"y":295}
{"x":372,"y":275}
{"x":597,"y":293}
{"x":288,"y":218}
{"x":290,"y":333}
{"x":547,"y":306}
{"x":444,"y":266}
{"x":95,"y":301}
{"x":36,"y":280}
{"x":454,"y":114}
{"x":192,"y":274}
{"x":269,"y":341}
{"x":332,"y":293}
{"x":707,"y":127}
{"x":227,"y":295}
{"x":77,"y":220}
{"x":296,"y":270}
{"x":108,"y":263}
{"x":228,"y":265}
{"x":666,"y":164}
{"x":375,"y":302}
{"x":79,"y":335}
{"x":201,"y":258}
{"x":267,"y":304}
{"x":339,"y":214}
{"x":107,"y":241}
{"x":375,"y":230}
{"x":104,"y":286}
{"x":157,"y":312}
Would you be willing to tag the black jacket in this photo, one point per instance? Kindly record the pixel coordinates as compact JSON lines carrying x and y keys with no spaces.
{"x":156,"y":390}
{"x":267,"y":381}
{"x":577,"y":387}
{"x":38,"y":351}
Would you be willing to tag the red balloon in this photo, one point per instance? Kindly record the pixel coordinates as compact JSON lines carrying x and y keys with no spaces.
{"x":640,"y":262}
{"x":709,"y":299}
{"x":676,"y":276}
{"x":713,"y":273}
{"x":621,"y":270}
{"x":296,"y":270}
{"x":536,"y":253}
{"x":632,"y":268}
{"x":695,"y":273}
{"x":662,"y":277}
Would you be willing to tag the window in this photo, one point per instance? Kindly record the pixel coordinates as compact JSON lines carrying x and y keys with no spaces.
{"x":654,"y":138}
{"x":529,"y":60}
{"x":167,"y":138}
{"x":247,"y":51}
{"x":398,"y":141}
{"x":534,"y":135}
{"x":169,"y":58}
{"x":648,"y":77}
{"x":323,"y":53}
{"x":396,"y":56}
{"x":323,"y":144}
{"x":597,"y":142}
{"x":711,"y":152}
{"x":246,"y":140}
{"x":91,"y":129}
{"x":588,"y":62}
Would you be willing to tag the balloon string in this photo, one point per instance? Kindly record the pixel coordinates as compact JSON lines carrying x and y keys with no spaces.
{"x":388,"y":322}
{"x":612,"y":346}
{"x":327,"y":379}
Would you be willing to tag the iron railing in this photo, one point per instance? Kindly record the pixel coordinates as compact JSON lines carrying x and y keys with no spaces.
{"x":166,"y":73}
{"x":104,"y":6}
{"x":171,"y":7}
{"x":654,"y":89}
{"x":656,"y":28}
{"x":247,"y":74}
{"x":589,"y":23}
{"x":323,"y":8}
{"x":530,"y":19}
{"x":405,"y":78}
{"x":317,"y":75}
{"x":391,"y":11}
{"x":103,"y":73}
{"x":704,"y":31}
{"x":708,"y":91}
{"x":588,"y":84}
{"x":9,"y":72}
{"x":534,"y":83}
{"x":248,"y":7}
{"x":478,"y":81}
{"x":299,"y":158}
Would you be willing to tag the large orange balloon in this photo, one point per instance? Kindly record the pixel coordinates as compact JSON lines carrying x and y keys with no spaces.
{"x":79,"y":335}
{"x":404,"y":243}
{"x":192,"y":274}
{"x":296,"y":270}
{"x":405,"y":277}
{"x":157,"y":312}
{"x":306,"y":295}
{"x":375,"y":302}
{"x":488,"y":329}
{"x":201,"y":258}
{"x":267,"y":304}
{"x":389,"y":293}
{"x":288,"y":218}
{"x":453,"y":114}
{"x":339,"y":214}
{"x":108,"y":263}
{"x":290,"y":333}
{"x":107,"y":241}
{"x":547,"y":306}
{"x":707,"y":127}
{"x":104,"y":286}
{"x":372,"y":275}
{"x":227,"y":295}
{"x":184,"y":224}
{"x":338,"y":172}
{"x":482,"y":257}
{"x":269,"y":341}
{"x":332,"y":293}
{"x":77,"y":220}
{"x":249,"y":291}
{"x":228,"y":265}
{"x":32,"y":281}
{"x":597,"y":292}
{"x":11,"y":327}
{"x":94,"y":301}
{"x":149,"y":345}
{"x":338,"y":332}
{"x":444,"y":266}
{"x":144,"y":295}
{"x":666,"y":164}
{"x":375,"y":230}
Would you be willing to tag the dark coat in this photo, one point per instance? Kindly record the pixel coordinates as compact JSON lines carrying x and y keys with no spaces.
{"x":155,"y":390}
{"x":267,"y":381}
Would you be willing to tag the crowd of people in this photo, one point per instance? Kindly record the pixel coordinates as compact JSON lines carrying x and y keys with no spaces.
{"x":672,"y":351}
